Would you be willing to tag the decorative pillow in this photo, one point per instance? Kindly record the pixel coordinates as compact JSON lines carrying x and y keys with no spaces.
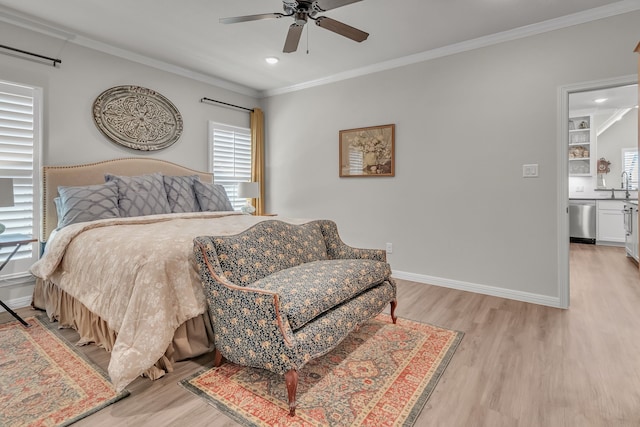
{"x":81,"y":204}
{"x":140,"y":195}
{"x":180,"y":193}
{"x":59,"y":212}
{"x":211,"y":197}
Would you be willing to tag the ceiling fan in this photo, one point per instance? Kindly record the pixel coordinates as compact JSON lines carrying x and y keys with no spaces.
{"x":301,"y":11}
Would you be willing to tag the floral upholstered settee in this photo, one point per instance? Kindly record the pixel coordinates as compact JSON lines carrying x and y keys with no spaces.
{"x":280,"y":294}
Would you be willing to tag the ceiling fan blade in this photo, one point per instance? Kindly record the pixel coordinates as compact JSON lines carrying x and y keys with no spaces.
{"x":332,"y":4}
{"x":293,"y":38}
{"x":246,"y":18}
{"x":342,"y":29}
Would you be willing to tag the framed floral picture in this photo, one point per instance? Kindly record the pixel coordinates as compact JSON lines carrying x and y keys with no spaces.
{"x":367,"y":151}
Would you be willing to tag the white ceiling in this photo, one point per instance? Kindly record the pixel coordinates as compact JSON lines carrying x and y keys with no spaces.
{"x":186,"y":35}
{"x":615,"y":98}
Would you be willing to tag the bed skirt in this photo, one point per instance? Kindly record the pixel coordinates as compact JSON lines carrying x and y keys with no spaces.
{"x":193,"y":338}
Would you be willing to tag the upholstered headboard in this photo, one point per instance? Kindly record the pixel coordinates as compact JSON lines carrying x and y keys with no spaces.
{"x":93,"y":173}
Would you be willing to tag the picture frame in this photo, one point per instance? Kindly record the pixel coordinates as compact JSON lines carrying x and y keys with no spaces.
{"x":367,"y":152}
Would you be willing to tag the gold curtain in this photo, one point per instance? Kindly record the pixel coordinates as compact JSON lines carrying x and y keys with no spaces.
{"x":257,"y":154}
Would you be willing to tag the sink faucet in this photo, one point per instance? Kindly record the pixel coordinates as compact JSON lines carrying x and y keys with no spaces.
{"x":625,"y":184}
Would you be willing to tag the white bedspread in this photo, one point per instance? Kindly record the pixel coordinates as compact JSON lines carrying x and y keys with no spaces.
{"x":139,"y":275}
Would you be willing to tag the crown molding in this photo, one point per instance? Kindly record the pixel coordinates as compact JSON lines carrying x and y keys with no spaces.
{"x":165,"y":66}
{"x":11,"y":16}
{"x":594,"y":14}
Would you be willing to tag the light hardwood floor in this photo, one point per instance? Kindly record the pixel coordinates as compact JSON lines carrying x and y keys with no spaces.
{"x":519,"y":364}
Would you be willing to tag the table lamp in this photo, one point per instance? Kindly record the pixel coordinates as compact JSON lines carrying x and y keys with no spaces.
{"x":6,"y":196}
{"x":248,"y":190}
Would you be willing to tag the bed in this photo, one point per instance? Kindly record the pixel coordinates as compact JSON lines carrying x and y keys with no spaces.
{"x":128,"y":284}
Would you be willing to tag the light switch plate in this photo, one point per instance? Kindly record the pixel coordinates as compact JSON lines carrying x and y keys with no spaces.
{"x":530,"y":171}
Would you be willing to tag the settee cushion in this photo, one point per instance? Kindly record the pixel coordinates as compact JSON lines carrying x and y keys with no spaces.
{"x":312,"y":288}
{"x":268,"y":247}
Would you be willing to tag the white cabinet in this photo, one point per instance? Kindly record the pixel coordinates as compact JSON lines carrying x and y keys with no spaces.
{"x":610,"y":223}
{"x":581,"y":146}
{"x":631,"y":228}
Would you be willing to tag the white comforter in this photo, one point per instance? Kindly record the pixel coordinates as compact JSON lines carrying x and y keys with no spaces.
{"x":139,"y":275}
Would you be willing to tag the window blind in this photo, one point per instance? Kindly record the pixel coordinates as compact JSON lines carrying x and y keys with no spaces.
{"x":630,"y":162}
{"x":230,"y":159}
{"x":19,"y":160}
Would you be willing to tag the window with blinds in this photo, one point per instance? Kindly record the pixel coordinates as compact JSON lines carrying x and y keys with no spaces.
{"x":230,"y":157}
{"x":630,"y":162}
{"x":19,"y":160}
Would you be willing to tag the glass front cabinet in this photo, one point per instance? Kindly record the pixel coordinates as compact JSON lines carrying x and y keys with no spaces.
{"x":581,"y":146}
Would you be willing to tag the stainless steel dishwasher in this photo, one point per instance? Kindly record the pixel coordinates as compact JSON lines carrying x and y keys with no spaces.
{"x":582,"y":221}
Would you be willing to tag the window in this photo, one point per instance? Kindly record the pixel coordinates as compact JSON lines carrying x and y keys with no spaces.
{"x":20,"y":160}
{"x":230,"y":158}
{"x":630,"y":162}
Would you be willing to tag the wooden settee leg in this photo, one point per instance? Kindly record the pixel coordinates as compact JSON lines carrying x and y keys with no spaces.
{"x":291,"y":379}
{"x":217,"y":358}
{"x":394,"y":304}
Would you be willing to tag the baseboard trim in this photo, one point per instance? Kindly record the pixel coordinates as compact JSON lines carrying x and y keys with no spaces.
{"x":610,"y":243}
{"x":419,"y":278}
{"x":17,"y":303}
{"x":480,"y":289}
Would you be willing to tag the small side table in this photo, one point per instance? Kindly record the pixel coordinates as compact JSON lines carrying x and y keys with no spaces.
{"x":17,"y":240}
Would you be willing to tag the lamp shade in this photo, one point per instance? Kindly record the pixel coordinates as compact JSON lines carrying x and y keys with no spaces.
{"x":6,"y":192}
{"x":249,"y":190}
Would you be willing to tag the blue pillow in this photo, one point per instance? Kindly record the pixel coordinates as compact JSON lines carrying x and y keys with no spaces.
{"x":180,"y":193}
{"x":212,"y":197}
{"x":141,"y":195}
{"x":88,"y":203}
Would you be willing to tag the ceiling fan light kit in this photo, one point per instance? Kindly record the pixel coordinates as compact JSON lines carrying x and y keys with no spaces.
{"x":302,"y":11}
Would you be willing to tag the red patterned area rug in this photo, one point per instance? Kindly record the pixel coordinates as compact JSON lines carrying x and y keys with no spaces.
{"x":380,"y":375}
{"x":45,"y":381}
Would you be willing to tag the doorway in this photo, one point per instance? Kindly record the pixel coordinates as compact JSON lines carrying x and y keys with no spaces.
{"x":592,"y":112}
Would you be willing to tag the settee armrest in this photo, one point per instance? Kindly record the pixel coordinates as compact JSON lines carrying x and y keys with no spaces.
{"x":246,"y":321}
{"x":337,"y":249}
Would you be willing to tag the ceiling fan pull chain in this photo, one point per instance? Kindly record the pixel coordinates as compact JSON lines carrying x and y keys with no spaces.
{"x":308,"y":40}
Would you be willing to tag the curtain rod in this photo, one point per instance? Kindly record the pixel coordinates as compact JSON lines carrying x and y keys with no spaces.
{"x":53,"y":60}
{"x":225,"y":103}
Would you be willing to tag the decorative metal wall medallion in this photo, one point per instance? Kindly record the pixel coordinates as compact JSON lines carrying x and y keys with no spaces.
{"x":137,"y":117}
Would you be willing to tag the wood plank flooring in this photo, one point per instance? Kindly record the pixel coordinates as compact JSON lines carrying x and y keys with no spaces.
{"x":519,"y":364}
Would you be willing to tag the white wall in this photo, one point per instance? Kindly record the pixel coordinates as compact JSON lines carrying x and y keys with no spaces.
{"x":458,"y":211}
{"x":70,"y":136}
{"x":622,"y":134}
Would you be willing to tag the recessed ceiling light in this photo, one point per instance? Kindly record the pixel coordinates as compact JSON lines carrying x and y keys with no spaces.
{"x":271,"y":60}
{"x":600,"y":100}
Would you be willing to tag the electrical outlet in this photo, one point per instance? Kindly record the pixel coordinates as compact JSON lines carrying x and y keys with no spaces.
{"x":389,"y":248}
